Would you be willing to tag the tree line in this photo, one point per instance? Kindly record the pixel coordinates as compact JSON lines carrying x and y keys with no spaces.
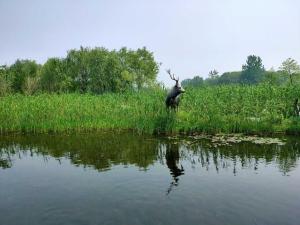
{"x":86,"y":70}
{"x":253,"y":72}
{"x":98,"y":70}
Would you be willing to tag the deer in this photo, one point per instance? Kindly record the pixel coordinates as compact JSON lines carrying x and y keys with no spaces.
{"x":173,"y":97}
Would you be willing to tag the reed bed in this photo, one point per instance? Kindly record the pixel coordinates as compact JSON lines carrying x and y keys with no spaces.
{"x":229,"y":109}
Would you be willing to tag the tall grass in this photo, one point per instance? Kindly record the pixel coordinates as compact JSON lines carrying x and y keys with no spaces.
{"x":230,"y":109}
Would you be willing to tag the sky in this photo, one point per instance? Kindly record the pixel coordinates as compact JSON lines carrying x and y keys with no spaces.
{"x":190,"y":37}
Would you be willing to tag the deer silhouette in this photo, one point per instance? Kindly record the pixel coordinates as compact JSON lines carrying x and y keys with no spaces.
{"x":172,"y":160}
{"x":173,"y":97}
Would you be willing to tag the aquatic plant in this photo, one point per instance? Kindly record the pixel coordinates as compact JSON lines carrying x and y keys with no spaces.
{"x":228,"y":109}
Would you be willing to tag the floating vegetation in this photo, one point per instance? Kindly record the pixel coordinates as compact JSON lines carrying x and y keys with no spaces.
{"x":230,"y":139}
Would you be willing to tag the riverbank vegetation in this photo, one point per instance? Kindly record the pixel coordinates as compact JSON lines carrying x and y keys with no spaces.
{"x":96,"y":89}
{"x":229,"y":109}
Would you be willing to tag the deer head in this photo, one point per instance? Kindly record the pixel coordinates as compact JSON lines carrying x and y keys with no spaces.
{"x":177,"y":88}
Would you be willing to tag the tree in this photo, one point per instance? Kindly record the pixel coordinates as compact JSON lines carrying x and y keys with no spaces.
{"x":213,"y":77}
{"x":4,"y":81}
{"x":253,"y":70}
{"x":141,"y":65}
{"x":95,"y":70}
{"x":78,"y":69}
{"x":20,"y":70}
{"x":31,"y":85}
{"x":3,"y":71}
{"x":230,"y":78}
{"x":291,"y":68}
{"x":54,"y":76}
{"x":273,"y":77}
{"x":197,"y":81}
{"x":213,"y":74}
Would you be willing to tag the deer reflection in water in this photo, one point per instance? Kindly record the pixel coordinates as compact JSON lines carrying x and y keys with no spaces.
{"x":172,"y":160}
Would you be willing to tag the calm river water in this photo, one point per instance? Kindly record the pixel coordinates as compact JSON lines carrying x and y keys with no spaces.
{"x":124,"y":178}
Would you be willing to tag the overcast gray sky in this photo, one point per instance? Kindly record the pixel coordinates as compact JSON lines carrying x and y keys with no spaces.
{"x":191,"y":37}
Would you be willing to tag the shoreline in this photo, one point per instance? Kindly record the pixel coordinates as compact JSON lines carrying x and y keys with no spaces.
{"x":262,"y":110}
{"x":135,"y":132}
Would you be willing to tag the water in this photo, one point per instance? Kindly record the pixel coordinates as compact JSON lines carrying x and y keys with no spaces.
{"x":128,"y":179}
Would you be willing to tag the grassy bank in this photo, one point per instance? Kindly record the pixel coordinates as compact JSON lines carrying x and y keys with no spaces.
{"x":230,"y":109}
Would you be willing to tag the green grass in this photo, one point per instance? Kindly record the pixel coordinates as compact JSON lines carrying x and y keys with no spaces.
{"x":229,"y":109}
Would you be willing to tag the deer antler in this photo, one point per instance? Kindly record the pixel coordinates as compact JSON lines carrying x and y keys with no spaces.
{"x":172,"y":76}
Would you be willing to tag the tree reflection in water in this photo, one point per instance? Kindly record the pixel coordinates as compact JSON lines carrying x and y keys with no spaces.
{"x":104,"y":150}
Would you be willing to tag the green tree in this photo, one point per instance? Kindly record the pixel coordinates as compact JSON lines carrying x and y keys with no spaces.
{"x":291,"y":68}
{"x":5,"y":84}
{"x":78,"y":69}
{"x":197,"y":81}
{"x":253,"y":70}
{"x":54,"y":76}
{"x":4,"y":72}
{"x":20,"y":70}
{"x":95,"y":70}
{"x":99,"y":70}
{"x":273,"y":77}
{"x":141,"y":65}
{"x":213,"y":77}
{"x":213,"y":74}
{"x":230,"y":78}
{"x":31,"y":85}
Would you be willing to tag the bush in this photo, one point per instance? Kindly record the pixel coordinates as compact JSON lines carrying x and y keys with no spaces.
{"x":31,"y":85}
{"x":5,"y":86}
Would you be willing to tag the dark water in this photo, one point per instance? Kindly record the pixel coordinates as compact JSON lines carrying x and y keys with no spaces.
{"x":127,"y":179}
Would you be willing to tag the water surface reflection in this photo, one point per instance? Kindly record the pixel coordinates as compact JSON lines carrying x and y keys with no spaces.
{"x":104,"y":150}
{"x":107,"y":178}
